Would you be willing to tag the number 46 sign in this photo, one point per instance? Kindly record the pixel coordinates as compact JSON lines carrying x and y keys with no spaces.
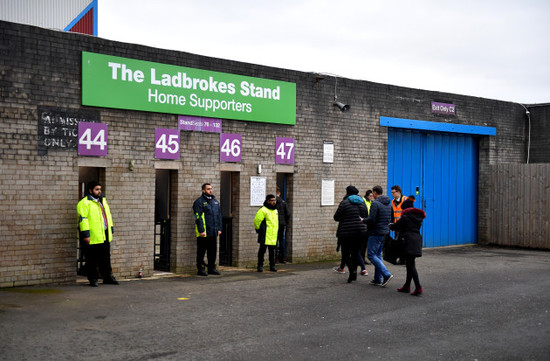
{"x":230,"y":147}
{"x":92,"y":139}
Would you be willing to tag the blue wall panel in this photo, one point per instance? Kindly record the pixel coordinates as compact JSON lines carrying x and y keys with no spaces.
{"x":444,"y":168}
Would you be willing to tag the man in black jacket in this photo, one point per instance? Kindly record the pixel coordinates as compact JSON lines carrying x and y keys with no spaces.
{"x":284,"y":216}
{"x":208,"y":226}
{"x":378,"y":223}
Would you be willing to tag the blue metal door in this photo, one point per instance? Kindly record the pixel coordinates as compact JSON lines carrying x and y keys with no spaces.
{"x":441,"y":170}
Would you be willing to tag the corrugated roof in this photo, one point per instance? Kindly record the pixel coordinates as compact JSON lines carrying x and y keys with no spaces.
{"x":51,"y":14}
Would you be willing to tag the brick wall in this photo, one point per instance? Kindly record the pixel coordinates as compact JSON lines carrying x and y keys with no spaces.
{"x":38,"y":193}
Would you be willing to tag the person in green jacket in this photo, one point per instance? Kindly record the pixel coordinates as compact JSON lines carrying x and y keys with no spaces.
{"x":369,"y":197}
{"x":266,"y":223}
{"x":96,"y":231}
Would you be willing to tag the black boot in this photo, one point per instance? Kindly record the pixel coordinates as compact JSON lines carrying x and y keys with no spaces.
{"x":260,"y":264}
{"x":201,"y":271}
{"x":352,"y":276}
{"x":110,"y":280}
{"x":213,"y":271}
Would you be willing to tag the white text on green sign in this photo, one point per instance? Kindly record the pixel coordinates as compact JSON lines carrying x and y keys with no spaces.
{"x":123,"y":83}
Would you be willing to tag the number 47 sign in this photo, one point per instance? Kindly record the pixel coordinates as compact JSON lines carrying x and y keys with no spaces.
{"x":284,"y":151}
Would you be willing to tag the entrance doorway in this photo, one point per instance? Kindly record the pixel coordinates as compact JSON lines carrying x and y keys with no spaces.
{"x":229,"y":196}
{"x":163,"y":219}
{"x":441,"y":170}
{"x":284,"y":182}
{"x":85,"y":176}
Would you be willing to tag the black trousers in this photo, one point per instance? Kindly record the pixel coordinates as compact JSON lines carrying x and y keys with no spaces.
{"x":261,"y":254}
{"x":351,"y":252}
{"x":364,"y":242}
{"x":281,"y":244}
{"x":412,"y":274}
{"x":208,"y":246}
{"x":98,"y":256}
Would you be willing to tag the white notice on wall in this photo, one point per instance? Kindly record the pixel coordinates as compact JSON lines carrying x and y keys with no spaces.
{"x":328,"y":152}
{"x":327,"y":192}
{"x":257,"y":191}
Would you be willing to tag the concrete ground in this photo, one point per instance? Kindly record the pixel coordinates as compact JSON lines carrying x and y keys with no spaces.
{"x":479,"y":304}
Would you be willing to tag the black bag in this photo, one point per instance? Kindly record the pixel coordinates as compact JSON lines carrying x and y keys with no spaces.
{"x":392,"y":249}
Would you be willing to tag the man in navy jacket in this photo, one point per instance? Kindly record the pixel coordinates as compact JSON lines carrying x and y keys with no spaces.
{"x":378,"y":223}
{"x":208,"y":226}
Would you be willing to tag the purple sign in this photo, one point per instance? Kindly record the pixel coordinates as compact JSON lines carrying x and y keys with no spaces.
{"x":284,"y":151}
{"x":199,"y":124}
{"x":167,"y":143}
{"x":443,"y":108}
{"x":230,"y":147}
{"x":92,"y":139}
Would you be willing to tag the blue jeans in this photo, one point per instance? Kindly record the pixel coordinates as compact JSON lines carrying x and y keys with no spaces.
{"x":375,"y":245}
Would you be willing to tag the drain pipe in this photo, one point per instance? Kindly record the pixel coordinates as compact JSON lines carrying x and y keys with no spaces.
{"x":528,"y":113}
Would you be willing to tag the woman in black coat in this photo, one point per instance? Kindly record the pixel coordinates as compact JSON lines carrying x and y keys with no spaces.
{"x":351,"y":230}
{"x":410,"y":238}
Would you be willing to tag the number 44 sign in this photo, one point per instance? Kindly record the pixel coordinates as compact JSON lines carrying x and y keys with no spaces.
{"x":284,"y":151}
{"x":92,"y":139}
{"x":167,"y":143}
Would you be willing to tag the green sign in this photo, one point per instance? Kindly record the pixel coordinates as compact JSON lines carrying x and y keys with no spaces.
{"x":114,"y":82}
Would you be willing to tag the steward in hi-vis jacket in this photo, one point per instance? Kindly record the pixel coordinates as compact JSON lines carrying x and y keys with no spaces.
{"x":397,"y":203}
{"x":266,"y":223}
{"x":96,"y":231}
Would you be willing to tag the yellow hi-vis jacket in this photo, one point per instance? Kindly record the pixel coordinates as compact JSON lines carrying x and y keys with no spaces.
{"x":271,"y":217}
{"x":90,"y":220}
{"x":367,"y":203}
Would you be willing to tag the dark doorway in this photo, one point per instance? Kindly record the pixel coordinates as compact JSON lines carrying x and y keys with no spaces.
{"x":85,"y":176}
{"x":163,"y":232}
{"x":284,"y":182}
{"x":229,"y":195}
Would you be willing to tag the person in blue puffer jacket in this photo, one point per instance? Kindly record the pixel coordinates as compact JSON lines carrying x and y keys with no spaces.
{"x":351,"y":229}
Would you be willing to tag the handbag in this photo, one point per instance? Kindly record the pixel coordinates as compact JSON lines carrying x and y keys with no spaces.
{"x":391,"y":249}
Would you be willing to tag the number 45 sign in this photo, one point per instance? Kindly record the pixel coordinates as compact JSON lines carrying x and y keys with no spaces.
{"x":167,"y":143}
{"x":92,"y":139}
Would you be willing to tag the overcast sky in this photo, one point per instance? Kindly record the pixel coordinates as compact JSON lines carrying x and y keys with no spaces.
{"x":485,"y":48}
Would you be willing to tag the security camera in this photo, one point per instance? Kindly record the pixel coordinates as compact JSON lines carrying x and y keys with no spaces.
{"x":343,"y":107}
